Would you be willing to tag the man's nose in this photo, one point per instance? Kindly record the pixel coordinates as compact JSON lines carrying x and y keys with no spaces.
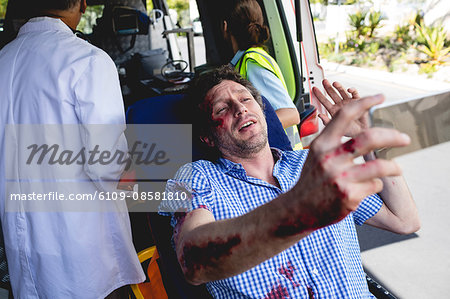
{"x":239,"y":108}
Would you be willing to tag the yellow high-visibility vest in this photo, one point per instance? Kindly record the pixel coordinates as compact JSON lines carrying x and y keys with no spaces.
{"x":261,"y":57}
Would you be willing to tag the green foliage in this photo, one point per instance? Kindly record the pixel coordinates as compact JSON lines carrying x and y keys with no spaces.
{"x":360,"y":60}
{"x":89,"y":18}
{"x":323,"y":2}
{"x":361,"y":38}
{"x":432,"y":42}
{"x":334,"y":2}
{"x":410,"y":43}
{"x":427,"y":68}
{"x":373,"y":47}
{"x":3,"y":4}
{"x":182,"y":9}
{"x":374,"y":20}
{"x":358,"y":23}
{"x":326,"y":49}
{"x":327,"y":2}
{"x":364,"y":23}
{"x":417,"y":19}
{"x":178,"y":5}
{"x":149,"y":5}
{"x":404,"y":36}
{"x":357,"y":44}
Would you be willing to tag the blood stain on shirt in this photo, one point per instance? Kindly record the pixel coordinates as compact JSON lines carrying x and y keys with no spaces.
{"x":288,"y":272}
{"x":278,"y":292}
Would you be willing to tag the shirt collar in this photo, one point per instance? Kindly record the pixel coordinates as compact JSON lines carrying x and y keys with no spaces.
{"x":237,"y":57}
{"x":228,"y":166}
{"x":44,"y":24}
{"x":277,"y":154}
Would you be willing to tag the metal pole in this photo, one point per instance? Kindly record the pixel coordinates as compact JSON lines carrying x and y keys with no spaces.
{"x":336,"y":42}
{"x":191,"y":49}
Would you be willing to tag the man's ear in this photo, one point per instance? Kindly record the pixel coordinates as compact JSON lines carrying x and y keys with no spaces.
{"x":208,"y":141}
{"x":83,"y":6}
{"x":224,"y":26}
{"x":225,"y":32}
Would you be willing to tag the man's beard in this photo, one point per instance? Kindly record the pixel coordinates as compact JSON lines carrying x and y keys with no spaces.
{"x":241,"y":148}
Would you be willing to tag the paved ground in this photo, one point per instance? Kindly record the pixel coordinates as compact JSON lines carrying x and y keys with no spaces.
{"x":417,"y":265}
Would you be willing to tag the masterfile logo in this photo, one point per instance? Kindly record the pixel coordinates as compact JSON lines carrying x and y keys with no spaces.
{"x":59,"y":167}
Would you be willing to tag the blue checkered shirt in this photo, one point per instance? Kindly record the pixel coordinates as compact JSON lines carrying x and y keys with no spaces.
{"x":325,"y":264}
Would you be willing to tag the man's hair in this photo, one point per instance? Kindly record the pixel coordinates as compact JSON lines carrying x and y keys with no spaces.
{"x":41,"y":5}
{"x":199,"y":111}
{"x":245,"y":21}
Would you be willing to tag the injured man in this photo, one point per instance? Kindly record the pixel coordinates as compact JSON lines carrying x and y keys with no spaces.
{"x":266,"y":223}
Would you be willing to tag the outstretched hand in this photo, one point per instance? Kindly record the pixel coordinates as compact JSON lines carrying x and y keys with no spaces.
{"x":332,"y":183}
{"x":340,"y":97}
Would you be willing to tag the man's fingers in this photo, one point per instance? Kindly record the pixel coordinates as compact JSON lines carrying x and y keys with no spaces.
{"x":341,"y":121}
{"x":376,"y":138}
{"x":323,"y":100}
{"x":325,"y":119}
{"x":331,"y":91}
{"x":341,"y":90}
{"x":365,"y":179}
{"x":354,"y":93}
{"x":371,"y":170}
{"x":369,"y":140}
{"x":358,"y":191}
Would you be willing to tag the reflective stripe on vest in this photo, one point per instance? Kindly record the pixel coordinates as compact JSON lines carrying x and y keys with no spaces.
{"x":261,"y":57}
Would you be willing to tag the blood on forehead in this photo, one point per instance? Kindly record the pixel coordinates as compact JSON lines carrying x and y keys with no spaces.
{"x":225,"y":90}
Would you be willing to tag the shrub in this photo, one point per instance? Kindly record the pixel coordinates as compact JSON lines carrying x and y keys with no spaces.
{"x":432,"y":42}
{"x":374,"y":22}
{"x":357,"y":21}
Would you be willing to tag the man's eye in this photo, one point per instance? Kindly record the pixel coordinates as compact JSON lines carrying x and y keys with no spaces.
{"x":220,"y":110}
{"x":246,"y":99}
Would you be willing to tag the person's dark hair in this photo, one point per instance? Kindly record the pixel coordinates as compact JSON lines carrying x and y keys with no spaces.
{"x":199,"y":111}
{"x":245,"y":21}
{"x":55,"y":4}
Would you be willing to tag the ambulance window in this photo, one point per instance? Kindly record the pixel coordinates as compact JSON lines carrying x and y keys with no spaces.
{"x":191,"y":18}
{"x":89,"y":18}
{"x":3,"y":4}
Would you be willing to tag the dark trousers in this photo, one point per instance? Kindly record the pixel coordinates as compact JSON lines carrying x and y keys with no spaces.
{"x":120,"y":293}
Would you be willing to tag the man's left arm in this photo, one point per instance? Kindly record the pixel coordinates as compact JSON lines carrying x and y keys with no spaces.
{"x":398,"y":212}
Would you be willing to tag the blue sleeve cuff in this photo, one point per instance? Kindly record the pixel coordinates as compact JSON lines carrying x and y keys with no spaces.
{"x":367,"y":209}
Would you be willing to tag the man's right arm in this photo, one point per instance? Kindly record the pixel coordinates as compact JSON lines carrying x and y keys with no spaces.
{"x":211,"y":250}
{"x":330,"y":187}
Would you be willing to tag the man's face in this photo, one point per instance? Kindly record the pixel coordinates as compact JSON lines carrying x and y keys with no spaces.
{"x":240,"y":127}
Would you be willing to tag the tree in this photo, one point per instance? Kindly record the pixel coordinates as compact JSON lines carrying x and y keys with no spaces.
{"x":3,"y":4}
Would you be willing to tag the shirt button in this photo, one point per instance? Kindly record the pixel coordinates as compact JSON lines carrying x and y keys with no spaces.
{"x":315,"y":272}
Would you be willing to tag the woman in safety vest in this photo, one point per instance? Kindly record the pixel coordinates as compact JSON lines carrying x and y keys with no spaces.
{"x":243,"y":26}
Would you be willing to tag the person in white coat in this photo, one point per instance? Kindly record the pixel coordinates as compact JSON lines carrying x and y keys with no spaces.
{"x":50,"y":78}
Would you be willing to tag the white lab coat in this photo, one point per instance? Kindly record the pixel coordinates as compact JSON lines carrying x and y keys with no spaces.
{"x":50,"y":76}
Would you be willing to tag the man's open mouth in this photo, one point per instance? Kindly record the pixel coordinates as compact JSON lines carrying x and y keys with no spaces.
{"x":246,"y":125}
